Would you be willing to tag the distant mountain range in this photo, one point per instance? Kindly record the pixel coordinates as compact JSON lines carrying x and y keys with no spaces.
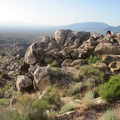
{"x":99,"y":27}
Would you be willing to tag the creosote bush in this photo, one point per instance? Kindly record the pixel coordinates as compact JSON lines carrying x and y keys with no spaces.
{"x":110,"y":91}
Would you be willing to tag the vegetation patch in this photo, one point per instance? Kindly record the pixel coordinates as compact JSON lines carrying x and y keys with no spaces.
{"x":111,"y":115}
{"x":75,"y":88}
{"x":93,"y":75}
{"x":110,"y":91}
{"x":67,"y":107}
{"x":5,"y":75}
{"x":94,"y":59}
{"x":89,"y":99}
{"x":54,"y":64}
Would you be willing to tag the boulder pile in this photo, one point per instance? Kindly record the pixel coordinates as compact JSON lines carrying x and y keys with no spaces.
{"x":70,"y":49}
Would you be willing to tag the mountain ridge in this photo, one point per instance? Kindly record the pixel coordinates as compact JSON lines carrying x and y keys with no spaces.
{"x":99,"y":27}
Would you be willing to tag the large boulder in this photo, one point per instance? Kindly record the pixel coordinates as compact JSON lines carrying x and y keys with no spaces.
{"x":115,"y":66}
{"x":76,"y":38}
{"x":87,"y":48}
{"x":60,"y":35}
{"x":42,"y":78}
{"x":35,"y":53}
{"x":77,"y":63}
{"x":66,"y":51}
{"x":23,"y":82}
{"x":118,"y":37}
{"x":110,"y":58}
{"x":29,"y":55}
{"x":32,"y":68}
{"x":107,"y":48}
{"x":101,"y":66}
{"x":66,"y":62}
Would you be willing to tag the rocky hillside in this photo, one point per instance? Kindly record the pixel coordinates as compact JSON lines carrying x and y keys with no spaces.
{"x":69,"y":76}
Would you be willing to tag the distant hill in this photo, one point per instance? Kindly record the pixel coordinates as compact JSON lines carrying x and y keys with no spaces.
{"x":87,"y":26}
{"x":20,"y":27}
{"x":113,"y":29}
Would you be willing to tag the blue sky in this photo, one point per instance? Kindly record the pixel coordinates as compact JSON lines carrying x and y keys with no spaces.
{"x":60,"y":12}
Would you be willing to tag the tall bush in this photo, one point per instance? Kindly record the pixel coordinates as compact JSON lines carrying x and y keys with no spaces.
{"x":110,"y":91}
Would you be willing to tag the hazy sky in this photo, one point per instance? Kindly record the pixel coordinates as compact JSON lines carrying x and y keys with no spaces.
{"x":60,"y":12}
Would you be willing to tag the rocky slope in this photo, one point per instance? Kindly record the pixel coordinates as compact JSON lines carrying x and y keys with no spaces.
{"x":64,"y":60}
{"x":69,"y":49}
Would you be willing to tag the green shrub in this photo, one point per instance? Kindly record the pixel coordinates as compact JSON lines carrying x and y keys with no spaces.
{"x":75,"y":88}
{"x":7,"y":114}
{"x":110,"y":91}
{"x":54,"y":63}
{"x":4,"y":102}
{"x":111,"y":115}
{"x":36,"y":108}
{"x":67,"y":107}
{"x":6,"y":86}
{"x":94,"y":59}
{"x":57,"y":73}
{"x":32,"y":108}
{"x":95,"y":75}
{"x":5,"y":75}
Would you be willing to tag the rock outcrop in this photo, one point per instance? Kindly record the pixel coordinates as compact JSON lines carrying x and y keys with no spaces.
{"x":63,"y":45}
{"x":70,"y":49}
{"x":42,"y":77}
{"x":23,"y":82}
{"x":107,"y":48}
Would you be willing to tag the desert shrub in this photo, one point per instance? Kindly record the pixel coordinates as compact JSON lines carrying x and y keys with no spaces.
{"x":55,"y":70}
{"x":67,"y":107}
{"x":4,"y":102}
{"x":2,"y":53}
{"x":32,"y":108}
{"x":51,"y":114}
{"x":89,"y":95}
{"x":25,"y":100}
{"x":89,"y":99}
{"x":54,"y":63}
{"x":110,"y":91}
{"x":96,"y":92}
{"x":94,"y":59}
{"x":16,"y":93}
{"x":49,"y":101}
{"x":7,"y":114}
{"x":90,"y":83}
{"x":36,"y":109}
{"x":95,"y":75}
{"x":6,"y":86}
{"x":75,"y":88}
{"x":5,"y":75}
{"x":77,"y":96}
{"x":57,"y":73}
{"x":111,"y":115}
